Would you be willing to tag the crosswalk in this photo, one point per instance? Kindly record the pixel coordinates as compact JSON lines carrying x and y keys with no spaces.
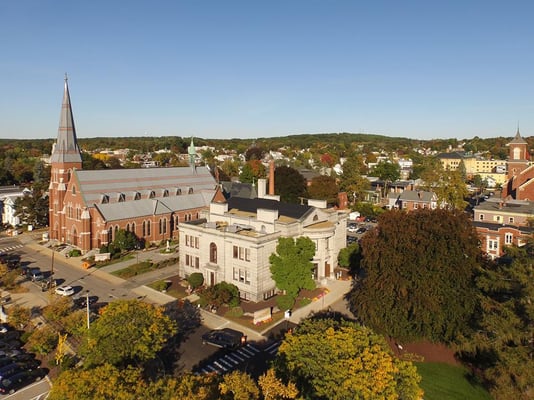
{"x":10,"y":248}
{"x":231,"y":361}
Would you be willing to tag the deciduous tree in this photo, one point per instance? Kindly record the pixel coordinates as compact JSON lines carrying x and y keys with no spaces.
{"x":239,"y":385}
{"x":289,"y":184}
{"x":336,"y":360}
{"x":502,"y":343}
{"x":418,"y":275}
{"x":291,"y":265}
{"x":273,"y":388}
{"x":324,"y":187}
{"x":351,"y":180}
{"x":146,"y":327}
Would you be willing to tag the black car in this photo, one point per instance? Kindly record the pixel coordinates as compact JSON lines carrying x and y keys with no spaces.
{"x":11,"y":369}
{"x":17,"y":381}
{"x":81,"y":302}
{"x":225,"y":338}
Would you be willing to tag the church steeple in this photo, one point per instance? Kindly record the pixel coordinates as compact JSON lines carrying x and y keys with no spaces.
{"x":66,"y":148}
{"x":192,"y":153}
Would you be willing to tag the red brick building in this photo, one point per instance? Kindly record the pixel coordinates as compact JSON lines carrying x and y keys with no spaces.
{"x":87,"y":208}
{"x":520,"y":184}
{"x":507,"y":221}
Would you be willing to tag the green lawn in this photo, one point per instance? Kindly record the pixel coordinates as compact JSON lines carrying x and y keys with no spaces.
{"x":446,"y":382}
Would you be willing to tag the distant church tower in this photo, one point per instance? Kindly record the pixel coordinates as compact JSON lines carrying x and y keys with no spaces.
{"x":518,"y":159}
{"x":65,"y":157}
{"x":192,"y":154}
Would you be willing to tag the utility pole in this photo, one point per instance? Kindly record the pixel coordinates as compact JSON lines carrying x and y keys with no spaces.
{"x":87,"y":307}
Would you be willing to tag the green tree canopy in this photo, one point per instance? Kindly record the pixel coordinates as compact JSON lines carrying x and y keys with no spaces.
{"x":125,"y":240}
{"x":418,"y":275}
{"x":145,"y":327}
{"x":387,"y":171}
{"x":351,"y":180}
{"x":291,"y":265}
{"x":252,"y":171}
{"x":329,"y":359}
{"x":502,"y":343}
{"x":289,"y":184}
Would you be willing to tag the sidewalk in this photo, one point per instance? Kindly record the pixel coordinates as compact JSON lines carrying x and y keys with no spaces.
{"x":336,"y":288}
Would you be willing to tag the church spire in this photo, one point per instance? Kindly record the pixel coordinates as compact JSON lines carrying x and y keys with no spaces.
{"x":66,"y":148}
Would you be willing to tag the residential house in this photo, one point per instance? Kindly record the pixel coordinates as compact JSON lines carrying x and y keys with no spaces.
{"x":412,"y":200}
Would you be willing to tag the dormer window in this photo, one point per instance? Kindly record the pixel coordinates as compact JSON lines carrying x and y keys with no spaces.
{"x":178,"y":192}
{"x":121,"y":197}
{"x":137,"y":196}
{"x":190,"y":190}
{"x":165,"y":193}
{"x":152,"y":194}
{"x":104,"y":199}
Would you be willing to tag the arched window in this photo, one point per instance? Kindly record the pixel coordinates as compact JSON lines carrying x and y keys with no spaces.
{"x":127,"y":227}
{"x":133,"y":227}
{"x":160,"y":226}
{"x":73,"y":189}
{"x":148,"y":228}
{"x":144,"y":229}
{"x":110,"y":235}
{"x":213,"y":253}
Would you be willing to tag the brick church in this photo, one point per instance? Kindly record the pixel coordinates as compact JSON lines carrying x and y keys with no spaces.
{"x":87,"y":208}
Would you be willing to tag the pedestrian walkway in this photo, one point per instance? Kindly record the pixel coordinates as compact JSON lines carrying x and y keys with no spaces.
{"x":336,"y":288}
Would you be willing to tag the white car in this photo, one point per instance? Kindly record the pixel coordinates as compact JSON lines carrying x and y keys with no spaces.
{"x":65,"y":290}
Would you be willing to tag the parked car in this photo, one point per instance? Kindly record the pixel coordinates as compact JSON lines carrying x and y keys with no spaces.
{"x":17,"y":381}
{"x":81,"y":302}
{"x":10,"y":369}
{"x":362,"y":229}
{"x":352,"y":228}
{"x":225,"y":338}
{"x":65,"y":290}
{"x":35,"y":275}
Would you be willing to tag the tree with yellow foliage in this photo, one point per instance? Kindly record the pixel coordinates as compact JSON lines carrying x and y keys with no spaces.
{"x":341,"y":360}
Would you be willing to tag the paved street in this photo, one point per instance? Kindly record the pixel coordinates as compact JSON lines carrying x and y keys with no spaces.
{"x":193,"y":355}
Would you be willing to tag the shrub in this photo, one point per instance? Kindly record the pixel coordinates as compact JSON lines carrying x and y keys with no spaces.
{"x":43,"y":340}
{"x":75,"y":253}
{"x":196,"y":279}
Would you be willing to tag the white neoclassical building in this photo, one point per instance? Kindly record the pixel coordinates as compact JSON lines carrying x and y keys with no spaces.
{"x":234,"y":240}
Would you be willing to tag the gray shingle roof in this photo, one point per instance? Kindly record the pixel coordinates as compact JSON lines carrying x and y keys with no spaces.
{"x":94,"y":184}
{"x":156,"y":206}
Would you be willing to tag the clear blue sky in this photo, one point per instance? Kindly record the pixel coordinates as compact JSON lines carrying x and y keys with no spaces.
{"x":248,"y":69}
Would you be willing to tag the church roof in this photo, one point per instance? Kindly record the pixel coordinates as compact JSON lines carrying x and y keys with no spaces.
{"x":156,"y":206}
{"x":66,"y":148}
{"x":518,"y":139}
{"x":148,"y":183}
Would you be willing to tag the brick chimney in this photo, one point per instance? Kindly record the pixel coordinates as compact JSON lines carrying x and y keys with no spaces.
{"x":271,"y":177}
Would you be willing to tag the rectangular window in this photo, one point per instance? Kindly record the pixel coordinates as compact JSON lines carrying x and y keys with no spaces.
{"x":187,"y":260}
{"x":511,"y":220}
{"x":508,"y":238}
{"x":236,"y":274}
{"x":415,"y":206}
{"x":197,"y":262}
{"x":241,"y":253}
{"x":481,"y":217}
{"x":187,"y":240}
{"x":247,"y":277}
{"x":196,"y":242}
{"x":493,"y":244}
